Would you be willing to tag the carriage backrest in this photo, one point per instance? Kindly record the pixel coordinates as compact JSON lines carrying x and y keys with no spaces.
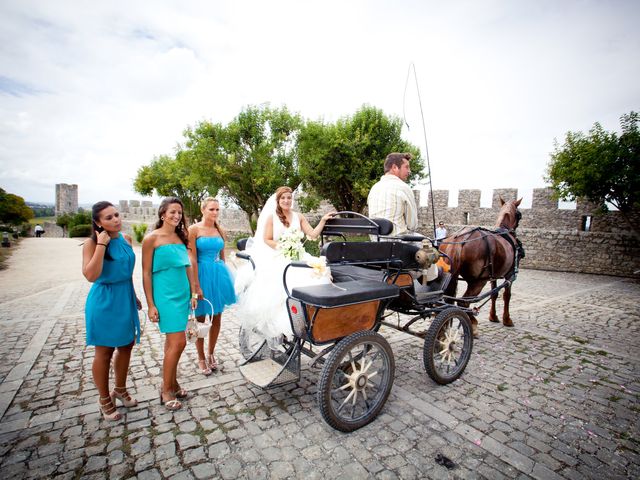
{"x":357,"y":225}
{"x":399,"y":254}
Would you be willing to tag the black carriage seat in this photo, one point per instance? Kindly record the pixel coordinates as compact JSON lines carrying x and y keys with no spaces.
{"x":380,"y":254}
{"x":345,"y":293}
{"x":344,"y":273}
{"x":338,"y":226}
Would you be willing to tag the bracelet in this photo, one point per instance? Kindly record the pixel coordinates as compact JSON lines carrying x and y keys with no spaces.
{"x":103,"y":244}
{"x":194,"y":296}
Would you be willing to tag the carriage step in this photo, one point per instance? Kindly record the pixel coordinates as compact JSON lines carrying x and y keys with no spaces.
{"x":269,"y":370}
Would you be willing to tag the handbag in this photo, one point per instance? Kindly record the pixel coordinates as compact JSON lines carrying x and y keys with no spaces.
{"x":196,"y":329}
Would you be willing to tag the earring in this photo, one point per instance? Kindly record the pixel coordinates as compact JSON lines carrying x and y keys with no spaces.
{"x":162,"y":218}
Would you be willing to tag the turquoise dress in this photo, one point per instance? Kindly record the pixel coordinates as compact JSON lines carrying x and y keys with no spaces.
{"x":111,"y":313}
{"x":214,"y":276}
{"x":171,"y":292}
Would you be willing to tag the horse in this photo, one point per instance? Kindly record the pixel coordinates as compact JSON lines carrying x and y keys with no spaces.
{"x":480,"y":256}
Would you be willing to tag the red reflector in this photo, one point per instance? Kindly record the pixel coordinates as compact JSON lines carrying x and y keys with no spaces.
{"x":294,"y":310}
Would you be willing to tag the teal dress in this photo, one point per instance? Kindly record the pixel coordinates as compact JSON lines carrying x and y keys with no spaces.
{"x":214,"y":277}
{"x":111,"y":313}
{"x":171,"y":292}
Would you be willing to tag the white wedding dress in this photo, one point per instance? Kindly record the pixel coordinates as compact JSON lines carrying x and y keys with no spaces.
{"x":261,"y":296}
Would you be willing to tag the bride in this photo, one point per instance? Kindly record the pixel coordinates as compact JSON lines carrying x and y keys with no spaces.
{"x":261,"y":304}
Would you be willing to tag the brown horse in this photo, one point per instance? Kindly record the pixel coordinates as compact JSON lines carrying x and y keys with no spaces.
{"x":480,"y":256}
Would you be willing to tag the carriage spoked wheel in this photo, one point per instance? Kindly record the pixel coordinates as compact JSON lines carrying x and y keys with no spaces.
{"x":447,"y":346}
{"x":356,"y":380}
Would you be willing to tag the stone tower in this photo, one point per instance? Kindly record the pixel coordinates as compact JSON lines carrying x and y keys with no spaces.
{"x":66,"y":198}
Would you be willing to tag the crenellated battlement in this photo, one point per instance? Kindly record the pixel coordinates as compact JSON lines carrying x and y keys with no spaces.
{"x":543,"y":214}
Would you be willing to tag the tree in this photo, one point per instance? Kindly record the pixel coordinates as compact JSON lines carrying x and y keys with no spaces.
{"x":601,"y":167}
{"x":13,"y":209}
{"x":251,"y":157}
{"x":180,"y":176}
{"x":340,"y":162}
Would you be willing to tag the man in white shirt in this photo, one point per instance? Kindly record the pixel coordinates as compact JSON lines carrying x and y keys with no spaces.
{"x":441,"y":233}
{"x":392,"y":198}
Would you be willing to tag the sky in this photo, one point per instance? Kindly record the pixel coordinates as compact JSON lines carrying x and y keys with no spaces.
{"x":92,"y":91}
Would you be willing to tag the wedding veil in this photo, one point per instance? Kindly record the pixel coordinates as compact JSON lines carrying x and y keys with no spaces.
{"x":268,"y":209}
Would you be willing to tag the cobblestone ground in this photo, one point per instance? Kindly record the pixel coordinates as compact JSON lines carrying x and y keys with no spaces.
{"x":554,"y":397}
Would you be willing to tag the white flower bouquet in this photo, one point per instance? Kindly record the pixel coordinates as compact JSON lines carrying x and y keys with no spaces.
{"x":290,"y":244}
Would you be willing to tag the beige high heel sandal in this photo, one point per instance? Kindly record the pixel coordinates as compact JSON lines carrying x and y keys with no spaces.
{"x":121,"y":394}
{"x":109,"y":412}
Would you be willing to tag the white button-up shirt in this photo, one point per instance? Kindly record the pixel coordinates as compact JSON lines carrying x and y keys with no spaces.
{"x":393,"y":199}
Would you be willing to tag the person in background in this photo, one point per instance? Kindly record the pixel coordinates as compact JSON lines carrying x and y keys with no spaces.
{"x":38,"y":230}
{"x":392,"y":198}
{"x":213,"y":278}
{"x":441,"y":233}
{"x":111,"y":315}
{"x":169,"y":285}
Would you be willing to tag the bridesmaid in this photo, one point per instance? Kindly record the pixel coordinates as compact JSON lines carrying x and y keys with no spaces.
{"x":111,"y":310}
{"x":168,"y":283}
{"x":214,"y":282}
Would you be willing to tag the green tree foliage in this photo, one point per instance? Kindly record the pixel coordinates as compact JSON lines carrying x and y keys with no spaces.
{"x":251,"y":157}
{"x":340,"y":162}
{"x":69,"y":221}
{"x":180,"y":176}
{"x":602,"y":167}
{"x":13,"y":209}
{"x":139,"y":230}
{"x":80,"y":230}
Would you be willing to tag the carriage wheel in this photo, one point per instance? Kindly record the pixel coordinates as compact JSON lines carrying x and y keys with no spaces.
{"x":356,"y":381}
{"x":448,"y":345}
{"x":249,"y":342}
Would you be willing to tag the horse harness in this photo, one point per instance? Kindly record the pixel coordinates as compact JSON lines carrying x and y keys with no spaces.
{"x":509,"y":235}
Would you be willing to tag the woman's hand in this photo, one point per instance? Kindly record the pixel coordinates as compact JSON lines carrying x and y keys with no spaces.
{"x":200,"y":294}
{"x":327,"y":216}
{"x":103,"y":237}
{"x":154,"y":316}
{"x":138,"y":304}
{"x":194,"y":303}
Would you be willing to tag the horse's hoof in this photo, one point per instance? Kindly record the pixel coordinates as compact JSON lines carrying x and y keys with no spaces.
{"x":507,"y":323}
{"x":493,"y":319}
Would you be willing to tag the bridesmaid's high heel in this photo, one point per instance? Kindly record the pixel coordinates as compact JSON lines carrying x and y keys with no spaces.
{"x":121,"y":394}
{"x":108,"y":409}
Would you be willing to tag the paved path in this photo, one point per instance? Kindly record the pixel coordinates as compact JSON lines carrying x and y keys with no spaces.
{"x":554,"y":397}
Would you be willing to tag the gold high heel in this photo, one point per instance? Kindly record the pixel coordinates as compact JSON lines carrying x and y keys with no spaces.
{"x":124,"y":397}
{"x":110,"y":413}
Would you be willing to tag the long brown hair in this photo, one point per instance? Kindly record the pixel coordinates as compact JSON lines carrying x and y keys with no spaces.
{"x":95,"y":217}
{"x":181,"y":229}
{"x":216,"y":223}
{"x":279,"y":192}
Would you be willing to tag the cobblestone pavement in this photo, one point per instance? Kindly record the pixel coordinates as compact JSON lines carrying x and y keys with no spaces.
{"x":554,"y":397}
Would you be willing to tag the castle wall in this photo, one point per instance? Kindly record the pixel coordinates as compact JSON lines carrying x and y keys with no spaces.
{"x":553,"y":238}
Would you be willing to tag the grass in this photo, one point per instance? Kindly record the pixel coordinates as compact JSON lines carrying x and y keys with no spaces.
{"x":5,"y":252}
{"x":41,"y":220}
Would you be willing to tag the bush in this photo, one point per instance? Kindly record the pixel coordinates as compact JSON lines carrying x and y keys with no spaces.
{"x":80,"y":231}
{"x":139,"y":230}
{"x":312,"y":247}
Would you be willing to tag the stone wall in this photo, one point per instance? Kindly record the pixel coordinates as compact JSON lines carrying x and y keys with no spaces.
{"x":553,"y":238}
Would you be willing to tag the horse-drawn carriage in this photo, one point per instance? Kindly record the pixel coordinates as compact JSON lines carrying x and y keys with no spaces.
{"x":337,"y":324}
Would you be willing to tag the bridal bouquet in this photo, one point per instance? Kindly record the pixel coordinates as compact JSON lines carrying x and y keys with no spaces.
{"x":290,"y":244}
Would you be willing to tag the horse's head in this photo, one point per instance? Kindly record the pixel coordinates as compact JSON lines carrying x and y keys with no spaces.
{"x":509,"y":215}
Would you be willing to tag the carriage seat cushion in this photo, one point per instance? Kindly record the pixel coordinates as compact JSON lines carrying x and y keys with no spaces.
{"x":399,"y":253}
{"x":344,"y":273}
{"x":345,"y":293}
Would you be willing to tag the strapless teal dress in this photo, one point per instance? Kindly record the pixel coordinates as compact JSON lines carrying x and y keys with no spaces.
{"x":111,"y":314}
{"x":171,"y":292}
{"x":214,"y":276}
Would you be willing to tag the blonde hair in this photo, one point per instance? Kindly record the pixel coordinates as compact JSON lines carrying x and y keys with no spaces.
{"x":216,"y":223}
